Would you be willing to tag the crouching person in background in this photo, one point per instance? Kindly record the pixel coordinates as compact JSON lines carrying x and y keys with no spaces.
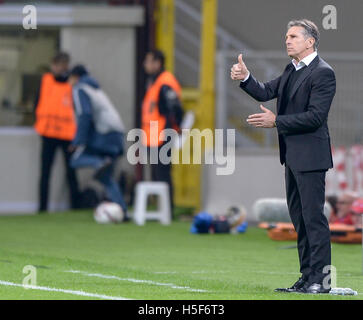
{"x":100,"y":133}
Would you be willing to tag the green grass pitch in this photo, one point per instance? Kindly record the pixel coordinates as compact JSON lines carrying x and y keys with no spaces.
{"x":152,"y":262}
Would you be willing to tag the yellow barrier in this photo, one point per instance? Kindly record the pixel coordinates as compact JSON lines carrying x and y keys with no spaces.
{"x":187,"y":177}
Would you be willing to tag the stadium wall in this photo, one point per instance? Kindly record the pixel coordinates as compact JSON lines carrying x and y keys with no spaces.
{"x":258,"y":174}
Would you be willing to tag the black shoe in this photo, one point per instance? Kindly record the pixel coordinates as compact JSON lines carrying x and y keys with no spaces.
{"x":314,"y":288}
{"x":126,"y":218}
{"x":298,"y":285}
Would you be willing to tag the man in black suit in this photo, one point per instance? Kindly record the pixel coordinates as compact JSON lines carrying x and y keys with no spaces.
{"x":304,"y":95}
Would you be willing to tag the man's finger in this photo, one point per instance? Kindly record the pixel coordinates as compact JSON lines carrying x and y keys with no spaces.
{"x":236,"y":67}
{"x":256,"y":125}
{"x":254,"y":120}
{"x":236,"y":71}
{"x":256,"y":115}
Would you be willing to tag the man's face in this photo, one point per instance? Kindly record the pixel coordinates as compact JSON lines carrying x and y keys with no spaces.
{"x":151,"y":66}
{"x":296,"y":43}
{"x":59,"y":68}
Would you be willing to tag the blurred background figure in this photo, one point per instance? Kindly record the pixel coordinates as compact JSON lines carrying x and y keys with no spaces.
{"x":100,"y":133}
{"x":344,"y":212}
{"x":357,"y":210}
{"x":55,"y":123}
{"x":162,"y":105}
{"x":332,"y":200}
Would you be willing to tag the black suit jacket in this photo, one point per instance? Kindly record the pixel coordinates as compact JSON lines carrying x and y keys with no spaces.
{"x":304,"y":139}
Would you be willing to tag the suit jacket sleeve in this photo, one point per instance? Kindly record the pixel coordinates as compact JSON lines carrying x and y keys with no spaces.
{"x":261,"y":91}
{"x":321,"y":96}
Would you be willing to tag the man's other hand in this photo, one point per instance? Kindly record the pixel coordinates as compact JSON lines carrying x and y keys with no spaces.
{"x":262,"y":120}
{"x":239,"y":70}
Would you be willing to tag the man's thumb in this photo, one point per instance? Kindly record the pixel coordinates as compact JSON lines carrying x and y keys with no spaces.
{"x":263,"y":108}
{"x":240,"y":59}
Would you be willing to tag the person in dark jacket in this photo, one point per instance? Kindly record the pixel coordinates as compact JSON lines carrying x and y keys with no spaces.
{"x":100,"y":132}
{"x":304,"y":93}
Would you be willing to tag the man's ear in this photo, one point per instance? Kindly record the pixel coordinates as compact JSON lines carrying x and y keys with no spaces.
{"x":311,"y":42}
{"x":158,"y":64}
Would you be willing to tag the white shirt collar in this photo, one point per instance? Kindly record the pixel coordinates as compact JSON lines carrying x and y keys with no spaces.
{"x":304,"y":62}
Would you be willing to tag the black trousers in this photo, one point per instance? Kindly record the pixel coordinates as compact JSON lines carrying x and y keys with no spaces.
{"x":49,"y":148}
{"x":305,"y":192}
{"x":162,"y":172}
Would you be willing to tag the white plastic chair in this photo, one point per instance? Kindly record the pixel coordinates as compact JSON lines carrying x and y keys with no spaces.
{"x":145,"y":189}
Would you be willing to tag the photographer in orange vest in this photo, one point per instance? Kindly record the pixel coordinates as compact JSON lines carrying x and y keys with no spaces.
{"x":161,"y":106}
{"x":56,"y":124}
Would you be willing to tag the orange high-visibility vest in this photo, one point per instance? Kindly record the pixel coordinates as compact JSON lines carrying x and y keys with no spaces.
{"x":54,"y":113}
{"x":152,"y":121}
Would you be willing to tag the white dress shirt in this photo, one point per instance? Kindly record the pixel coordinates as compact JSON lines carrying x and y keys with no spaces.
{"x":304,"y":62}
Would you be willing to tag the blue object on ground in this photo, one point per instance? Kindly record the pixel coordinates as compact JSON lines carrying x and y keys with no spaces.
{"x":242,"y":227}
{"x":201,"y":223}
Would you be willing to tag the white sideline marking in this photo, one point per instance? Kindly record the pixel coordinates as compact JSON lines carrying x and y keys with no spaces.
{"x":171,"y":285}
{"x":209,"y":272}
{"x":75,"y":292}
{"x":272,"y":272}
{"x":199,"y":271}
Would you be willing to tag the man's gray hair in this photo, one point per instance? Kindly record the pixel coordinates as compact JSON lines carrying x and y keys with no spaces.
{"x":310,"y":29}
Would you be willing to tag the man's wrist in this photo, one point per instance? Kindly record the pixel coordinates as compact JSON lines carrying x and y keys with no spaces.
{"x":246,"y":78}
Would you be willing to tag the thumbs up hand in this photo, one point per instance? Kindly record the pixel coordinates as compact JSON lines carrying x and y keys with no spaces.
{"x":239,"y":70}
